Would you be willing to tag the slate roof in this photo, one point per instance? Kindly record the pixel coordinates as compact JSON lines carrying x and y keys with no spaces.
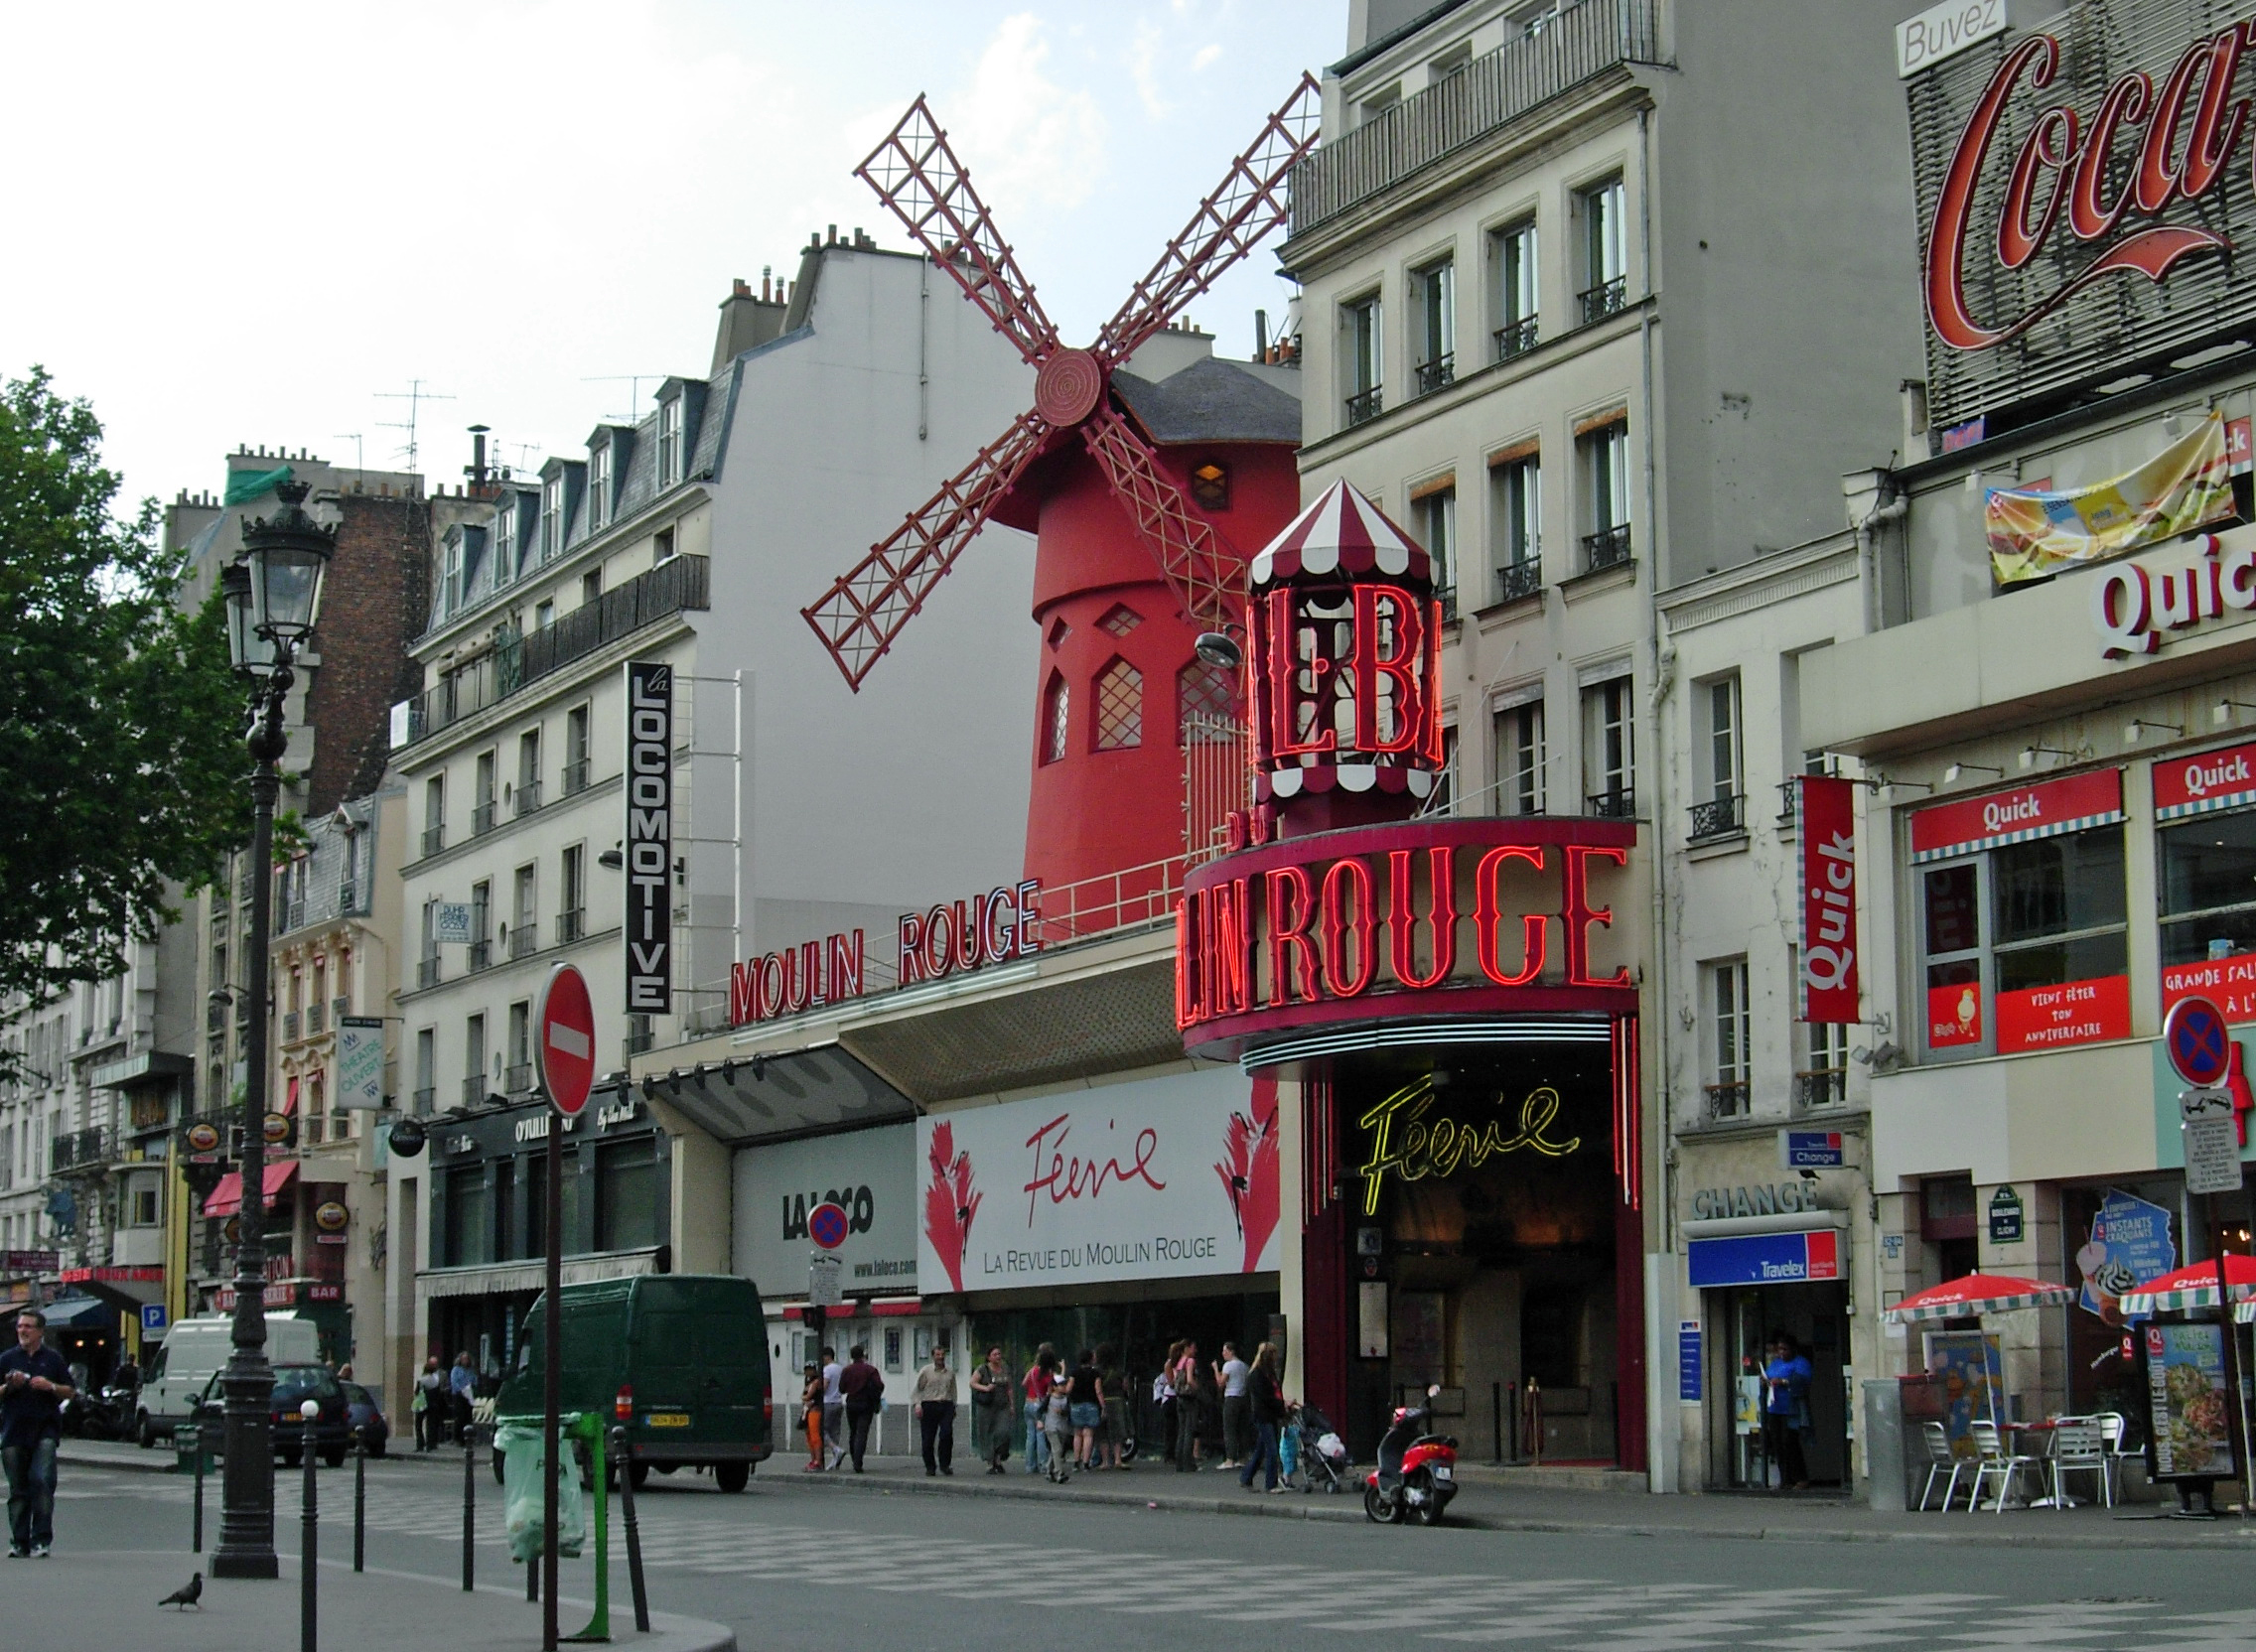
{"x":1213,"y":400}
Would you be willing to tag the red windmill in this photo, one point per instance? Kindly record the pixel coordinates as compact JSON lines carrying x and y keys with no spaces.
{"x":1128,"y":569}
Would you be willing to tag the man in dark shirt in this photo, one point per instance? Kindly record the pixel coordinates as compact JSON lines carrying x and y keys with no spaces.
{"x":863,"y":1390}
{"x":33,"y":1383}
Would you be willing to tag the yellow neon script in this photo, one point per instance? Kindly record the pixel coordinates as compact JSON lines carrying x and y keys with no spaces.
{"x":1414,"y":1147}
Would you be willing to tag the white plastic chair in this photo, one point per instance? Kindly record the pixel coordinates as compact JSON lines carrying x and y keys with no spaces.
{"x":1995,"y":1460}
{"x":1939,"y":1457}
{"x":2113,"y":1428}
{"x":2079,"y":1446}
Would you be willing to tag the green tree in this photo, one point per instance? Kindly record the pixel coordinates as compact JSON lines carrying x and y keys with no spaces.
{"x":123,"y":777}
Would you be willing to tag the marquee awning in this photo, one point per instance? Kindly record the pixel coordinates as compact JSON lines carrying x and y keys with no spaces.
{"x":228,"y":1198}
{"x":1341,"y":531}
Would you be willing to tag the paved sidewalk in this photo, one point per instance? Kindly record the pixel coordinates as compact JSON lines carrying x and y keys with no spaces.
{"x":53,"y":1602}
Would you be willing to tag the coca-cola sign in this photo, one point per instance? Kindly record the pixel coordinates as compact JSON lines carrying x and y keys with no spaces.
{"x":2103,"y":158}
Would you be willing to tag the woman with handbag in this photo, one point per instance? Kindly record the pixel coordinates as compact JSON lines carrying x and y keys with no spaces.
{"x":810,"y":1401}
{"x":1190,"y":1410}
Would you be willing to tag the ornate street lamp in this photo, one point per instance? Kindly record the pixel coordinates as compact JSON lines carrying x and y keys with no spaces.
{"x":273,"y":596}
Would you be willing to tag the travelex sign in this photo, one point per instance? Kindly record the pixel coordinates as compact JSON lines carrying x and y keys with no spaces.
{"x":1765,"y":1259}
{"x":957,"y":936}
{"x":2134,"y":602}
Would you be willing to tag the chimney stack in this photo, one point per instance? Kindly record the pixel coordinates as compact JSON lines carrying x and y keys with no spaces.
{"x":476,"y":468}
{"x":747,"y":319}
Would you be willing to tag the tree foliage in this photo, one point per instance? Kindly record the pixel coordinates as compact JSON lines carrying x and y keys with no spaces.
{"x":123,"y":775}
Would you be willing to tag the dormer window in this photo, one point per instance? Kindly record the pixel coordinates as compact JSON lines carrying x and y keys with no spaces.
{"x":669,"y":442}
{"x":599,"y":486}
{"x":506,"y":535}
{"x":552,"y":517}
{"x":454,"y":571}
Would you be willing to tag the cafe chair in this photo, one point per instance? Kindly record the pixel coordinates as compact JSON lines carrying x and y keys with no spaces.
{"x":2113,"y":1430}
{"x":1994,"y":1460}
{"x":1939,"y":1457}
{"x":2079,"y":1446}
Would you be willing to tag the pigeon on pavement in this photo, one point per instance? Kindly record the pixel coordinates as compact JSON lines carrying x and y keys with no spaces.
{"x":188,"y":1595}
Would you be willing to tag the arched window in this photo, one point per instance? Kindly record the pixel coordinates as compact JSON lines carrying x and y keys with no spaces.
{"x":1206,"y":696}
{"x":1056,"y":702}
{"x":1119,"y":707}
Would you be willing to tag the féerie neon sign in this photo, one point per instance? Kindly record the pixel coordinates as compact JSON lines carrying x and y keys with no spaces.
{"x":1408,"y":1144}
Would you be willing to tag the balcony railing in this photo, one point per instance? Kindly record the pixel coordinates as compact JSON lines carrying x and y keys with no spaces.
{"x":481,"y":956}
{"x":1607,"y":298}
{"x":527,"y":798}
{"x":518,"y":1080}
{"x":433,"y":838}
{"x":427,"y":972}
{"x":427,"y":1099}
{"x":482,"y":819}
{"x":575,"y":777}
{"x":316,"y":1018}
{"x":1515,"y":580}
{"x":78,"y":1151}
{"x":1718,"y":817}
{"x":1727,"y":1100}
{"x":339,"y":1008}
{"x":525,"y":941}
{"x":1365,"y":406}
{"x":570,"y":926}
{"x":1434,"y":374}
{"x":289,"y":1026}
{"x":639,"y":1041}
{"x":679,"y":584}
{"x":1489,"y":92}
{"x":1607,"y":548}
{"x":474,"y":1090}
{"x":289,"y":916}
{"x":1821,"y":1087}
{"x":1515,"y":337}
{"x":347,"y":899}
{"x":1612,"y":805}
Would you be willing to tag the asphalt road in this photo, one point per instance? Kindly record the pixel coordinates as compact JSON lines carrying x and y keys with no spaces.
{"x":794,"y":1563}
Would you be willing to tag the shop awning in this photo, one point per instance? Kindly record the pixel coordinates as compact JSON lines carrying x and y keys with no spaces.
{"x":80,"y":1313}
{"x":228,"y":1198}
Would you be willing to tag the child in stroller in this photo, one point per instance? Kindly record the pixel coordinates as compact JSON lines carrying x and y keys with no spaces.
{"x":1322,"y":1454}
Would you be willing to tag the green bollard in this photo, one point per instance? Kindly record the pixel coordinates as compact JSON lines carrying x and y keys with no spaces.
{"x":587,"y":1425}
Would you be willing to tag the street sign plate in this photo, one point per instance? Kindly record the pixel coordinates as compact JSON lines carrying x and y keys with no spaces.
{"x":2213,"y":1142}
{"x":153,"y":1320}
{"x":1811,"y":1150}
{"x":824,"y":1281}
{"x":827,"y":1225}
{"x":2194,"y":1036}
{"x":450,"y":922}
{"x":565,"y":1040}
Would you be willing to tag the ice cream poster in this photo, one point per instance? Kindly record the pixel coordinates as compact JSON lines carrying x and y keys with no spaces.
{"x":2130,"y":1243}
{"x":1972,"y":1373}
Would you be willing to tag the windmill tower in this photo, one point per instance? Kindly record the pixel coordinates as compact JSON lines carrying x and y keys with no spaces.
{"x":1142,"y":469}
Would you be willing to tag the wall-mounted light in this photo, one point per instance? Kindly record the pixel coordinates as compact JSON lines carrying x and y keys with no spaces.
{"x":1951,"y":774}
{"x":1881,"y":784}
{"x":2030,"y":755}
{"x":2138,"y":726}
{"x":2222,"y":713}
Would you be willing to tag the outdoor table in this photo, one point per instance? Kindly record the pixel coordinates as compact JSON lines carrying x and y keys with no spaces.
{"x":2041,"y":1447}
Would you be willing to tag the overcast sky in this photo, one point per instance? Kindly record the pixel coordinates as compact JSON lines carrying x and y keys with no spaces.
{"x":245,"y":223}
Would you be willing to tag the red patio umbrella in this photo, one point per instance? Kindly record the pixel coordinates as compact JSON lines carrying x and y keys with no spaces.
{"x":1978,"y":1294}
{"x":2192,"y":1286}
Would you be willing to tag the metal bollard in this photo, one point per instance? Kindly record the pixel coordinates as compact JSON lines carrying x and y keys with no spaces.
{"x":1496,"y":1418}
{"x":469,"y":1507}
{"x":633,"y":1531}
{"x":196,"y":1443}
{"x":310,"y":1561}
{"x":360,"y":1502}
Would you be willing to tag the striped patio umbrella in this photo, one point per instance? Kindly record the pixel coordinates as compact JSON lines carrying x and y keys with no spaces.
{"x":2193,"y":1286}
{"x":1978,"y":1294}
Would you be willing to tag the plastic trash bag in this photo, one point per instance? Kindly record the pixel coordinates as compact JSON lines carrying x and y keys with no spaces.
{"x":522,"y":1495}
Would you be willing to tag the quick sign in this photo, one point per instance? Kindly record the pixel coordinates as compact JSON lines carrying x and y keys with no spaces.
{"x":2133,"y":603}
{"x":1765,"y":1259}
{"x":649,"y":934}
{"x":1828,"y":862}
{"x":2071,"y":804}
{"x":1172,"y":1178}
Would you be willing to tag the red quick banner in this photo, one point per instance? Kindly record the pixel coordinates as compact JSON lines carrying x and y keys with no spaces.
{"x":2043,"y":810}
{"x":2207,"y":780}
{"x":1828,"y":900}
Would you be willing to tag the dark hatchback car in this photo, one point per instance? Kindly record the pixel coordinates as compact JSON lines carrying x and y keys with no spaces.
{"x":363,"y":1415}
{"x":294,"y":1385}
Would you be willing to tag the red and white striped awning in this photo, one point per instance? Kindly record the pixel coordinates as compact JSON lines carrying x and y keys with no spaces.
{"x":1342,"y":531}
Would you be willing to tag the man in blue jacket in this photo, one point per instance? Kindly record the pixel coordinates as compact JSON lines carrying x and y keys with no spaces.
{"x":1786,"y":1412}
{"x":33,"y":1383}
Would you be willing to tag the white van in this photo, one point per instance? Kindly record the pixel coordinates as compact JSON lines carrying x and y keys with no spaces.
{"x":194,"y":1350}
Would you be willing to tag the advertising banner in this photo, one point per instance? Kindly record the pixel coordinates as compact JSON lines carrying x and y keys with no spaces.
{"x":1765,"y":1259}
{"x":868,"y":1174}
{"x":2189,"y":1403}
{"x":2205,"y":781}
{"x":648,"y":935}
{"x":2033,"y":534}
{"x":360,"y":1062}
{"x":1828,"y":862}
{"x":2074,"y":1013}
{"x":1973,"y":1373}
{"x":2045,"y":810}
{"x":2130,"y":1243}
{"x":2228,"y":982}
{"x":1161,"y":1178}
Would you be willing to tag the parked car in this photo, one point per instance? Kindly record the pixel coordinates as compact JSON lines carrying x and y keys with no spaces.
{"x":365,"y":1415}
{"x":680,"y":1359}
{"x":294,"y":1385}
{"x":193,"y":1351}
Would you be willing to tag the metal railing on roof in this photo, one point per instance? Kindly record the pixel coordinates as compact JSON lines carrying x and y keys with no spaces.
{"x":1491,"y":91}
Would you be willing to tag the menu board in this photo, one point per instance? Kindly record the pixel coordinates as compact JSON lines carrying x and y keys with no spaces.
{"x":2186,"y":1401}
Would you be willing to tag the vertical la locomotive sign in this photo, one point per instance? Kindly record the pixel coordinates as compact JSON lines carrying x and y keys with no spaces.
{"x":649,"y":934}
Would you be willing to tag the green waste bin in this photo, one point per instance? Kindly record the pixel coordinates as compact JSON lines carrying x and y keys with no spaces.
{"x":189,"y":1442}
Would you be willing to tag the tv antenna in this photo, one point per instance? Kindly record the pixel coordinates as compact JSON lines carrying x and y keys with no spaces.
{"x":415,"y":397}
{"x":353,"y":437}
{"x":634,"y":392}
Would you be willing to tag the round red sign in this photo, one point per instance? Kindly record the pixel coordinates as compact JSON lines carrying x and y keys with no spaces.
{"x":565,"y":1039}
{"x":2194,"y":1037}
{"x":827,"y":1226}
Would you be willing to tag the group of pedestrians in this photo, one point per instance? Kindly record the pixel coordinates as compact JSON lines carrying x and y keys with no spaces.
{"x":1251,"y":1399}
{"x":443,"y":1401}
{"x":840,"y":1403}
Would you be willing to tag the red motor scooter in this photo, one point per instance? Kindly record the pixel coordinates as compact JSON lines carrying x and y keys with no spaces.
{"x":1416,"y":1474}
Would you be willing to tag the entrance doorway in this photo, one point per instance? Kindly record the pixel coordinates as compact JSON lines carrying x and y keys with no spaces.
{"x":1743,"y":1323}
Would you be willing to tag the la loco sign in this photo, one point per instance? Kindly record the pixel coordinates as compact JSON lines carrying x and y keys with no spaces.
{"x":1441,"y":916}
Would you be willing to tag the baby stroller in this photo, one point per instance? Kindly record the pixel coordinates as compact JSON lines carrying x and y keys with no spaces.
{"x":1323,"y":1453}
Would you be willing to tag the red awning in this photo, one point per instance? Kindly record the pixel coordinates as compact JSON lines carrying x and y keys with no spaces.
{"x":228,"y":1198}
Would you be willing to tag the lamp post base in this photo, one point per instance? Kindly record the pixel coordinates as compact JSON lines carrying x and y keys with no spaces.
{"x":251,"y":1564}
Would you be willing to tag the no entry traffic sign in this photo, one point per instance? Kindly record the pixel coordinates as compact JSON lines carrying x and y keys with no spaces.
{"x":2194,"y":1036}
{"x":826,"y":1225}
{"x":565,"y":1039}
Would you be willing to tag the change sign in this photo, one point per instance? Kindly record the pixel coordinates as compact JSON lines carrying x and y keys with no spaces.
{"x":650,"y":839}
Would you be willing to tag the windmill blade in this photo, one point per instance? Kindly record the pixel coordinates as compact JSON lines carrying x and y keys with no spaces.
{"x":858,"y":617}
{"x":1204,"y":573}
{"x":917,"y":175}
{"x":1250,"y":202}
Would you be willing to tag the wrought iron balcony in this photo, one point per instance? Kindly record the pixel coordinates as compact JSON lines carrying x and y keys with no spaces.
{"x":427,"y":1099}
{"x":570,"y":926}
{"x":518,"y":1080}
{"x":427,"y":971}
{"x":1434,"y":374}
{"x":482,"y":819}
{"x":1728,"y":1100}
{"x":1607,"y":298}
{"x":1790,"y":805}
{"x":289,"y":1026}
{"x":1515,"y":580}
{"x":525,"y":941}
{"x":1515,"y":337}
{"x":1607,"y":548}
{"x":1489,"y":93}
{"x":433,"y":838}
{"x":474,"y":1090}
{"x":81,"y":1150}
{"x":576,"y":778}
{"x":316,"y":1018}
{"x":1365,"y":406}
{"x":481,"y":956}
{"x":527,"y":798}
{"x":1821,"y":1087}
{"x":347,"y":899}
{"x":1612,"y":805}
{"x":1718,"y":817}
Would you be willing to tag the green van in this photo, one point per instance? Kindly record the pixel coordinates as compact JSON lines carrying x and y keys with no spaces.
{"x":681,"y":1358}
